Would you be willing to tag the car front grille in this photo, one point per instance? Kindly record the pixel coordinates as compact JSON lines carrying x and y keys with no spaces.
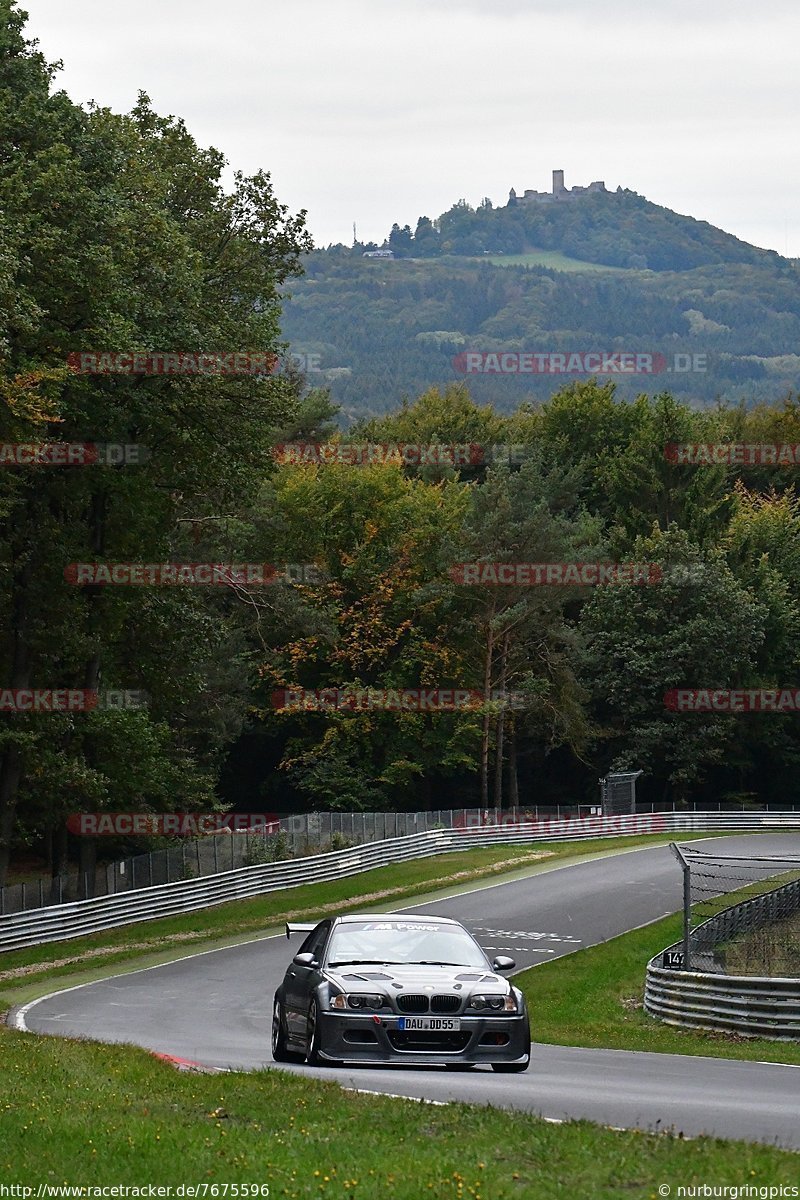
{"x":409,"y":1002}
{"x":445,"y":1004}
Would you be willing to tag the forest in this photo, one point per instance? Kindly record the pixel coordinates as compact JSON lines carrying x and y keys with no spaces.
{"x":375,"y":332}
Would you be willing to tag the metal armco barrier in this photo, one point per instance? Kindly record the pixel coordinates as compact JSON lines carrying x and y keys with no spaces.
{"x":81,"y":917}
{"x":731,"y":1003}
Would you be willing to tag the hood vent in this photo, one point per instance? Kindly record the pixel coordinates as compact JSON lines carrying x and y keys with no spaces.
{"x":368,"y":975}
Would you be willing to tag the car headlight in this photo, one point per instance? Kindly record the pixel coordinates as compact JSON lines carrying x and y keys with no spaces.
{"x":493,"y":1003}
{"x":366,"y":1000}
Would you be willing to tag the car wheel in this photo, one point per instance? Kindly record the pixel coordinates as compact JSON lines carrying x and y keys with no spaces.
{"x":511,"y":1068}
{"x":280,"y":1048}
{"x":313,"y":1056}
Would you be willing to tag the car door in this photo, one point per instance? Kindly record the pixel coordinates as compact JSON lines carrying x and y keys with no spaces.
{"x":300,"y":982}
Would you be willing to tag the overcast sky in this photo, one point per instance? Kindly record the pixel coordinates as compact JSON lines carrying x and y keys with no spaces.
{"x":377,"y":111}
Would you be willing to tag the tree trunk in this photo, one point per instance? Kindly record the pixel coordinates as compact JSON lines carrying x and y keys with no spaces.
{"x":498,"y":762}
{"x":60,"y":853}
{"x":501,"y":727}
{"x":91,"y":678}
{"x":11,"y":762}
{"x":513,"y":775}
{"x":10,"y":778}
{"x":487,"y":691}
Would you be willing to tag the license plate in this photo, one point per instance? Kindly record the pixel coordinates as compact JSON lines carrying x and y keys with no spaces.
{"x":443,"y":1024}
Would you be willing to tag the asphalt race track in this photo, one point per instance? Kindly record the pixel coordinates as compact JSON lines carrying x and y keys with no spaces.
{"x":215,"y":1008}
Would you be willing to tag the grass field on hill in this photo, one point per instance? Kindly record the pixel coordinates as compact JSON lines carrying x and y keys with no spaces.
{"x":548,"y":258}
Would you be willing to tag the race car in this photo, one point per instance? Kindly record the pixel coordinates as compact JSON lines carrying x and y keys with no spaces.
{"x":392,"y":988}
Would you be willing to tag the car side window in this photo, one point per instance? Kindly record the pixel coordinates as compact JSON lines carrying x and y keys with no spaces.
{"x":315,"y":941}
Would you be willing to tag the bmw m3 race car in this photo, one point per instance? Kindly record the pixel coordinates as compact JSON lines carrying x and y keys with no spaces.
{"x":398,"y":989}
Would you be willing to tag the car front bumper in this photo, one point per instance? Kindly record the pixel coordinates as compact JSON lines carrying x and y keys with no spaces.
{"x":356,"y":1037}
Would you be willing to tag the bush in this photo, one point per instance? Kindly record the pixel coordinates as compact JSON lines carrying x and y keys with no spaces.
{"x":273,"y":847}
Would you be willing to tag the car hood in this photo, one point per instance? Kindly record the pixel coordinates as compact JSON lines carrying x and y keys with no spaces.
{"x":415,"y":976}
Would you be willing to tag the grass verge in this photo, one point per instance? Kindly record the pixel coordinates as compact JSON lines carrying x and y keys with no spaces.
{"x":87,"y":1114}
{"x":594,"y":998}
{"x":23,"y":972}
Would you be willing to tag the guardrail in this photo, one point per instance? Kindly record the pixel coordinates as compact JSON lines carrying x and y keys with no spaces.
{"x":756,"y":1006}
{"x":81,"y":917}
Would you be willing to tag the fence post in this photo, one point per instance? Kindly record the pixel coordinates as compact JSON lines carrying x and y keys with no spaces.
{"x":687,"y":911}
{"x":687,"y":904}
{"x":150,"y":867}
{"x":41,"y":892}
{"x":22,"y":907}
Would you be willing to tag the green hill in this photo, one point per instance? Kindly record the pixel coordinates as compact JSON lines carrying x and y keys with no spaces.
{"x":616,"y":229}
{"x":605,"y":273}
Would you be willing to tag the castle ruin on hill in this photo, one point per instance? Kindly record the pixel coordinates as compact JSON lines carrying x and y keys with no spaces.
{"x":559,"y":192}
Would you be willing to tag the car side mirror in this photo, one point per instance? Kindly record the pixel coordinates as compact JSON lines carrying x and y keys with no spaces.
{"x":501,"y":963}
{"x":305,"y":960}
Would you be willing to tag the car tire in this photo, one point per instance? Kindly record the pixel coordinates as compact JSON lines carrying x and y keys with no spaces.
{"x":280,"y":1048}
{"x":313,"y":1056}
{"x":511,"y":1068}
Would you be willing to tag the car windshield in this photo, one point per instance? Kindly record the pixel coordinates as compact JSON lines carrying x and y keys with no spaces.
{"x":403,"y":942}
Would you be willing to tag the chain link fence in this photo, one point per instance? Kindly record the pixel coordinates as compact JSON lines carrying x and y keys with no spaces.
{"x":741,"y":914}
{"x":299,"y":834}
{"x":189,"y":860}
